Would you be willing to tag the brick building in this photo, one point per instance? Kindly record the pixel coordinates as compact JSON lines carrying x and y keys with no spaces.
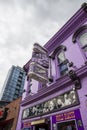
{"x":9,"y":115}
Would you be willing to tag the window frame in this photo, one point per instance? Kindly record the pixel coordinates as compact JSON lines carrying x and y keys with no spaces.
{"x":58,"y":65}
{"x":76,"y":39}
{"x":80,"y":45}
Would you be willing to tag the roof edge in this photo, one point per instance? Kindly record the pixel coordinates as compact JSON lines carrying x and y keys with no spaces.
{"x":80,"y":13}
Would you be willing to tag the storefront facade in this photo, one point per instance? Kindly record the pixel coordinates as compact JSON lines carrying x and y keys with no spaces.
{"x":68,"y":120}
{"x":55,"y":95}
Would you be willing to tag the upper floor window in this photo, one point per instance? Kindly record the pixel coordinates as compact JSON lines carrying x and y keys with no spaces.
{"x":83,"y":41}
{"x":80,"y":36}
{"x":61,"y":61}
{"x":62,"y":64}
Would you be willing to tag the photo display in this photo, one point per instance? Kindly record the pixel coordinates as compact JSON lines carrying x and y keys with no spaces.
{"x":65,"y":100}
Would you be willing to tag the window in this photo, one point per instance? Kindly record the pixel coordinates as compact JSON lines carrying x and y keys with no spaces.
{"x":62,"y":64}
{"x":16,"y":92}
{"x":83,"y":41}
{"x":68,"y":125}
{"x":58,"y":55}
{"x":80,"y":36}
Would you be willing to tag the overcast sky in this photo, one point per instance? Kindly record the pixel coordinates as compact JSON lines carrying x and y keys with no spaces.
{"x":24,"y":22}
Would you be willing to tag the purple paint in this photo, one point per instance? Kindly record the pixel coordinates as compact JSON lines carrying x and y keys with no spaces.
{"x":61,"y":84}
{"x":69,"y":116}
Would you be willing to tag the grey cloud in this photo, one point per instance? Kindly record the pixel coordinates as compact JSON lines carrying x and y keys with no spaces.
{"x":24,"y":22}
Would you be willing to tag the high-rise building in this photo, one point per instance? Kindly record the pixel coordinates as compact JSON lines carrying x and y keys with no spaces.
{"x":14,"y":84}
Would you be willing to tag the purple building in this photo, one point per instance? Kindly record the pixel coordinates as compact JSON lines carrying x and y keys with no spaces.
{"x":55,"y":92}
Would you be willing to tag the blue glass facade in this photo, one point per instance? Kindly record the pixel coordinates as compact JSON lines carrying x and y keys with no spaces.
{"x":14,"y":84}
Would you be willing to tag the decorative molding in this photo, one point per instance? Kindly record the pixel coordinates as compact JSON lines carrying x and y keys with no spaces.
{"x":38,"y":48}
{"x":81,"y":29}
{"x":59,"y":48}
{"x":79,"y":18}
{"x":84,"y":6}
{"x":26,"y":66}
{"x":60,"y":83}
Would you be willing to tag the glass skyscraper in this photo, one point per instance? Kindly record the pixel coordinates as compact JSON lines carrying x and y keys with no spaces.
{"x":14,"y":84}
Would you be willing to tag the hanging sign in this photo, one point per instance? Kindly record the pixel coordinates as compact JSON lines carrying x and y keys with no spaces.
{"x":38,"y":68}
{"x":38,"y":72}
{"x":40,"y":55}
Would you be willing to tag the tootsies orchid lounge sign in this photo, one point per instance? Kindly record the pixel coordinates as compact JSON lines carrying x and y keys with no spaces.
{"x":38,"y":68}
{"x":63,"y":101}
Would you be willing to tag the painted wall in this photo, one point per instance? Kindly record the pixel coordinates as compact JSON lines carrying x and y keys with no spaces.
{"x":73,"y":54}
{"x":69,"y":116}
{"x":83,"y":101}
{"x":82,"y":98}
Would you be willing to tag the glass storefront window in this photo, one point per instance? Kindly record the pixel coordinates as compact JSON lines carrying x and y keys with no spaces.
{"x":69,"y":125}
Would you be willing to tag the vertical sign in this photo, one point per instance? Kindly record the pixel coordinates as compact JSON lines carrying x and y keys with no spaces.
{"x":38,"y":68}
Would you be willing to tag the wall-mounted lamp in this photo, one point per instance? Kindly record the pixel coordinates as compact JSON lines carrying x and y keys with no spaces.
{"x":75,"y":79}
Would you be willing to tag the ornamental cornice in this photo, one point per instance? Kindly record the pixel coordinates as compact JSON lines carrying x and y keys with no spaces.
{"x":78,"y":19}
